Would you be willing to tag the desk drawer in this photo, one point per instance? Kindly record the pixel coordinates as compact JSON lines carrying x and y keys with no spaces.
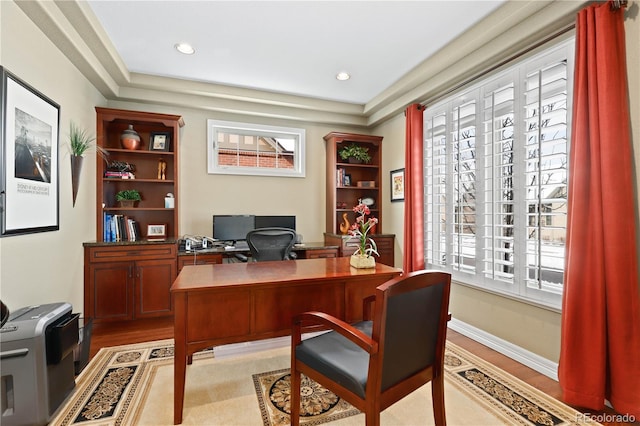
{"x":321,"y":253}
{"x":130,"y":252}
{"x":198,"y":259}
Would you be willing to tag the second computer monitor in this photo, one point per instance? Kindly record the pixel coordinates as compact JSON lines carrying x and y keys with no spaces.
{"x":276,"y":222}
{"x":232,"y":227}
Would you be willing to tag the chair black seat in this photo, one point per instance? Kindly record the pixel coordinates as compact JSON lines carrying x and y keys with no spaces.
{"x":373,"y":364}
{"x":338,"y":358}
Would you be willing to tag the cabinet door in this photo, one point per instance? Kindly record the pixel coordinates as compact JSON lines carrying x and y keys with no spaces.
{"x":112,"y":286}
{"x":153,"y":283}
{"x":386,"y":250}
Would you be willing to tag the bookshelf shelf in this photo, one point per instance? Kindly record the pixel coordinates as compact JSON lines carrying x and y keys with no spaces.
{"x":147,"y":166}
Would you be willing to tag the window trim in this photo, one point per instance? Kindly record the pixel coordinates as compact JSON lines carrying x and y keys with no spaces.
{"x":475,"y":89}
{"x":216,"y":126}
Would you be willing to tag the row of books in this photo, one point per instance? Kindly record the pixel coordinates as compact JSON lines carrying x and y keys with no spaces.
{"x":118,"y":227}
{"x":341,"y":178}
{"x":119,"y":175}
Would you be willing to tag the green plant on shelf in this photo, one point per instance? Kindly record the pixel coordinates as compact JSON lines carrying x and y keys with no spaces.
{"x":128,"y":195}
{"x":356,"y":152}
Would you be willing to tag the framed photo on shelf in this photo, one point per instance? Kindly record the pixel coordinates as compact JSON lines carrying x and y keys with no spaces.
{"x":397,"y":185}
{"x":159,"y":141}
{"x":29,"y":185}
{"x":156,"y":232}
{"x":347,"y":180}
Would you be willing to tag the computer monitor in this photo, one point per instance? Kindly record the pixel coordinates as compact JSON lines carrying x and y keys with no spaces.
{"x":232,"y":227}
{"x":276,"y":221}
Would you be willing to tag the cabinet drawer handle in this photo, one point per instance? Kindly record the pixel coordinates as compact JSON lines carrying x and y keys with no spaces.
{"x":133,"y":253}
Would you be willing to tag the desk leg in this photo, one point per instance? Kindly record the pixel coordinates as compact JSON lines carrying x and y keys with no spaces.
{"x":180,"y":358}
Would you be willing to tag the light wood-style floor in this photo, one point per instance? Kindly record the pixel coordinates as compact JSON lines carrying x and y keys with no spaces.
{"x":122,"y":333}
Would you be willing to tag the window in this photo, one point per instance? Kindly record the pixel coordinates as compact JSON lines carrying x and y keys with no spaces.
{"x":254,"y":149}
{"x":496,"y":158}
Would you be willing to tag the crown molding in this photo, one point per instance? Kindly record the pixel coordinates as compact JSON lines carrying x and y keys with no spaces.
{"x":72,"y":26}
{"x":511,"y":30}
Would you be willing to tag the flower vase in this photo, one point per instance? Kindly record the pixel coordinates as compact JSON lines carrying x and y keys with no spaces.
{"x":360,"y":261}
{"x":76,"y":170}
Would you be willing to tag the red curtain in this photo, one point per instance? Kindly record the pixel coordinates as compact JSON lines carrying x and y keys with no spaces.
{"x":600,"y":347}
{"x":413,"y":191}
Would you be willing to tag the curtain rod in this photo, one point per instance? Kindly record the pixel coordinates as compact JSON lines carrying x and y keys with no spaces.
{"x":617,"y":4}
{"x":613,"y":5}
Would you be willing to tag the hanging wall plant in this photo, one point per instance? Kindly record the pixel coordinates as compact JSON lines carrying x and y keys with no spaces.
{"x":79,"y":143}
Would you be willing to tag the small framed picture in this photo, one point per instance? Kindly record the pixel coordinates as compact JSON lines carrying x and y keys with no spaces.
{"x":347,"y":180}
{"x":156,"y":232}
{"x":397,"y":185}
{"x":159,"y":141}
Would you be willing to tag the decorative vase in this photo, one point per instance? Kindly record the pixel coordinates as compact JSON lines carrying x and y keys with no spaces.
{"x":361,"y":262}
{"x":354,"y":160}
{"x":345,"y":225}
{"x":130,"y":139}
{"x":127,"y":203}
{"x":76,"y":169}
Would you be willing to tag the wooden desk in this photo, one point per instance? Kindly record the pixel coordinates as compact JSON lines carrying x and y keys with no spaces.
{"x":236,"y":302}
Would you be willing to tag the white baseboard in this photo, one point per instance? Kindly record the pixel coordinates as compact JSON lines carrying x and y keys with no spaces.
{"x":226,"y":351}
{"x":523,"y":356}
{"x":233,"y":349}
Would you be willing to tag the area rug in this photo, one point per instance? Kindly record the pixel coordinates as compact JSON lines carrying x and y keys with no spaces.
{"x":133,"y":385}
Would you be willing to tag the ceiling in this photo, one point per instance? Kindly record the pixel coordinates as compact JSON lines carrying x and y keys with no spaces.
{"x":289,"y":47}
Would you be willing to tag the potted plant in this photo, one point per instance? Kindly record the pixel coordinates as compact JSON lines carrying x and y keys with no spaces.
{"x":362,"y":257}
{"x":79,"y":143}
{"x":128,"y":197}
{"x":355,"y":153}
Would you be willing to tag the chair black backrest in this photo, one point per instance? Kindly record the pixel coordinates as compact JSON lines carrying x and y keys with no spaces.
{"x":4,"y":313}
{"x":271,"y":243}
{"x":416,"y":318}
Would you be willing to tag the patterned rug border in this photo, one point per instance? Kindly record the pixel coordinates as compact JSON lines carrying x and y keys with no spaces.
{"x":144,"y":359}
{"x":271,"y":416}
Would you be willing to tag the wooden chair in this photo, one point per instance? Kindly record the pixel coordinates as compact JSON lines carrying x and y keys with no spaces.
{"x":373,"y":364}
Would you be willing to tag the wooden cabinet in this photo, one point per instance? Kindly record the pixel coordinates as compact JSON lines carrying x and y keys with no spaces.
{"x":364,"y":182}
{"x":156,"y":171}
{"x":185,"y":259}
{"x":128,"y":281}
{"x":347,"y":245}
{"x":347,"y":183}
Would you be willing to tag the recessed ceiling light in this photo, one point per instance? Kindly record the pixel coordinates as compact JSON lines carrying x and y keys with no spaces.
{"x":185,"y":48}
{"x":343,"y":76}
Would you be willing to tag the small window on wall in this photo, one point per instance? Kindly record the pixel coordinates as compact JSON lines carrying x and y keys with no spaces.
{"x":254,"y":149}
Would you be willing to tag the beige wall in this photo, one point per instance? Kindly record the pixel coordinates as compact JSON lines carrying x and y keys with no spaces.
{"x":202,"y":195}
{"x":47,"y":267}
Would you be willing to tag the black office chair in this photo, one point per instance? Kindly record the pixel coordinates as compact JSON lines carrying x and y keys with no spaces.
{"x":271,"y":244}
{"x":373,"y":364}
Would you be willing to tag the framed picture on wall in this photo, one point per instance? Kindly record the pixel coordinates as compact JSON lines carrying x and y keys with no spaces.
{"x":29,"y":185}
{"x":397,"y":185}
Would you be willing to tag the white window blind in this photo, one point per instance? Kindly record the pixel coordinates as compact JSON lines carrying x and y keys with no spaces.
{"x":496,"y":157}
